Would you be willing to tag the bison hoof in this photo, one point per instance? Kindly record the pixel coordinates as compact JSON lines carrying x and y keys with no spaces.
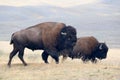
{"x":57,"y":62}
{"x":25,"y":64}
{"x":46,"y":62}
{"x":9,"y":65}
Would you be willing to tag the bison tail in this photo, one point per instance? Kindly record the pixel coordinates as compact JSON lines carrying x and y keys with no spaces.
{"x":11,"y":41}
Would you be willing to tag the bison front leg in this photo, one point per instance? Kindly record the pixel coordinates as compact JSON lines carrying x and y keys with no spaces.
{"x":54,"y":55}
{"x":93,"y":60}
{"x":45,"y":56}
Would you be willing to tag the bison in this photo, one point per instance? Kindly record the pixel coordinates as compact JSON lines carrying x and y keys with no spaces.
{"x":52,"y":37}
{"x":88,"y":49}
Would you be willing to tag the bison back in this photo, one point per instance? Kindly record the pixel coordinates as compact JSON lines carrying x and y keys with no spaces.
{"x":85,"y":45}
{"x":40,"y":36}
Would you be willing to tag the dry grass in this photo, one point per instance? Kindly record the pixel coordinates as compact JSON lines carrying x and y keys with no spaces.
{"x":108,"y":69}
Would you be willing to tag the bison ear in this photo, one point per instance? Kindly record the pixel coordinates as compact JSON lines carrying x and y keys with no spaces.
{"x":63,"y":33}
{"x":100,"y":47}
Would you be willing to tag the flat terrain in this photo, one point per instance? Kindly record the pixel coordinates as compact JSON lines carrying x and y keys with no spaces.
{"x":107,"y":69}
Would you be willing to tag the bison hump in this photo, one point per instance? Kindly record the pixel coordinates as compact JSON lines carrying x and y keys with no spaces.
{"x":51,"y":33}
{"x":85,"y":45}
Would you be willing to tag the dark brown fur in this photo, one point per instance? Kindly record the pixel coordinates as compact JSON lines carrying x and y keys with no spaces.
{"x":88,"y":48}
{"x":49,"y":36}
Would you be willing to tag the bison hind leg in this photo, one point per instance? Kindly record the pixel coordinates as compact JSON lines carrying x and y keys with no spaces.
{"x":45,"y":56}
{"x":21,"y":54}
{"x":12,"y":54}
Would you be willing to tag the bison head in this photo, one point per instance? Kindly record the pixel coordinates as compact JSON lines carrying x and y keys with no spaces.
{"x":67,"y":38}
{"x":102,"y":50}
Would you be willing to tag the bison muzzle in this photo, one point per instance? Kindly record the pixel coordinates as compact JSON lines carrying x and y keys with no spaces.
{"x":52,"y":37}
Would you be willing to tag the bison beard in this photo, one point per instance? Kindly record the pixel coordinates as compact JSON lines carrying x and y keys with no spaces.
{"x":88,"y":48}
{"x":52,"y":37}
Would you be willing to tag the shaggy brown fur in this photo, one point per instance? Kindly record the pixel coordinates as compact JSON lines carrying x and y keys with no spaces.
{"x":52,"y":37}
{"x":85,"y":45}
{"x":88,"y":48}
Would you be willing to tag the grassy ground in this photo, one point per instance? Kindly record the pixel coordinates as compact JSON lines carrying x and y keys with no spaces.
{"x":108,"y":69}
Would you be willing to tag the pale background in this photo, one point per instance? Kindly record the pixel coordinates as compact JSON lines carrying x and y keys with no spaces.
{"x":99,"y":18}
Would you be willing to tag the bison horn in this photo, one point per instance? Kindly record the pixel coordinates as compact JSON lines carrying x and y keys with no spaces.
{"x":100,"y":46}
{"x":63,"y":33}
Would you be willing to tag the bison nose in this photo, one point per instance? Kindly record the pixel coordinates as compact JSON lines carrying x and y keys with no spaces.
{"x":74,"y":39}
{"x":104,"y":56}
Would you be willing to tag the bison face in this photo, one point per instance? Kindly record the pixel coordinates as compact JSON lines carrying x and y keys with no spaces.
{"x":67,"y":38}
{"x":102,"y":51}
